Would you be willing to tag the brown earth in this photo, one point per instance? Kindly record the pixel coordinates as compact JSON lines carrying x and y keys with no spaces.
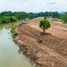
{"x":48,"y":50}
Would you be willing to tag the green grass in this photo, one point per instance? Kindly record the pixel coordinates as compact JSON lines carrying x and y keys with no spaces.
{"x":14,"y":32}
{"x":1,"y":26}
{"x":10,"y":25}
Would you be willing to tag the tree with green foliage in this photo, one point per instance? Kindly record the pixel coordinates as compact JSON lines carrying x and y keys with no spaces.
{"x":55,"y":14}
{"x":21,"y":15}
{"x":31,"y":15}
{"x":64,"y":18}
{"x":8,"y":16}
{"x":5,"y":19}
{"x":13,"y":19}
{"x":44,"y":24}
{"x":7,"y":13}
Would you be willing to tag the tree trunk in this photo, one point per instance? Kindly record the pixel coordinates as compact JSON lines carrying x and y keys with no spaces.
{"x":43,"y":30}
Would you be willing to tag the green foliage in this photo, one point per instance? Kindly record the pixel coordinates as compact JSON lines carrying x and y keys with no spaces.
{"x":8,"y":16}
{"x":32,"y":15}
{"x":10,"y":25}
{"x":7,"y":13}
{"x":14,"y":32}
{"x":55,"y":15}
{"x":13,"y":19}
{"x":44,"y":24}
{"x":48,"y":14}
{"x":21,"y":15}
{"x":7,"y":19}
{"x":1,"y":26}
{"x":0,"y":21}
{"x":64,"y":18}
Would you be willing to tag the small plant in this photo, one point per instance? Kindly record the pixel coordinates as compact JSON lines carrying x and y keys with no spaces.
{"x":44,"y":24}
{"x":14,"y":32}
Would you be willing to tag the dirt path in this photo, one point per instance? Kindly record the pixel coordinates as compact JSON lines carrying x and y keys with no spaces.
{"x":51,"y":52}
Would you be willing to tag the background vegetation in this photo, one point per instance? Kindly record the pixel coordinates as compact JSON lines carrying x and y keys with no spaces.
{"x":8,"y":16}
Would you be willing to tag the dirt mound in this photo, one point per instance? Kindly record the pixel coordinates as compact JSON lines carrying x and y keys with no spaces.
{"x":45,"y":50}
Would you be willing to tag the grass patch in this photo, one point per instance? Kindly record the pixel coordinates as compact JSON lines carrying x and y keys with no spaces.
{"x":10,"y":25}
{"x":14,"y":32}
{"x":1,"y":26}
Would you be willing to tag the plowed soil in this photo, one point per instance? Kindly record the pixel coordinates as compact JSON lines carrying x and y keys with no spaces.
{"x":45,"y":50}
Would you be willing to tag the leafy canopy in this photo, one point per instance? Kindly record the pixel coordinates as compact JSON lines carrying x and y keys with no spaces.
{"x":64,"y":18}
{"x":44,"y":24}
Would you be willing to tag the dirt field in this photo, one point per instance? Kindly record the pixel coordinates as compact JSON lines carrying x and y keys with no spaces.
{"x":47,"y":50}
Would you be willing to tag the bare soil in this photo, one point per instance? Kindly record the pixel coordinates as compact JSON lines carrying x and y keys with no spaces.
{"x":47,"y":50}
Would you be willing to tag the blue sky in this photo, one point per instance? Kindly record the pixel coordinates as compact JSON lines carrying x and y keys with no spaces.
{"x":33,"y":5}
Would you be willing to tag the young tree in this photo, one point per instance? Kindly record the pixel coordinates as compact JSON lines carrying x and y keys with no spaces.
{"x":44,"y":24}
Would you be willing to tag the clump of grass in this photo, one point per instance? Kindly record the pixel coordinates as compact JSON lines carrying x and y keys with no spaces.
{"x":14,"y":32}
{"x":9,"y":25}
{"x":1,"y":26}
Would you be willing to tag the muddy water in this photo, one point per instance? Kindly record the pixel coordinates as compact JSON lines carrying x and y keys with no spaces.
{"x":9,"y":56}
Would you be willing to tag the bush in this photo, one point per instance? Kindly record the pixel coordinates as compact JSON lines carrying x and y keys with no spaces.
{"x":14,"y":33}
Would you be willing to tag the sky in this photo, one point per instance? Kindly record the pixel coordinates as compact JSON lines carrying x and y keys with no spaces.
{"x":33,"y":5}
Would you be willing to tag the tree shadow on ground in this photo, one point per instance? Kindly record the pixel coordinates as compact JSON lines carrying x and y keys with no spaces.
{"x":45,"y":34}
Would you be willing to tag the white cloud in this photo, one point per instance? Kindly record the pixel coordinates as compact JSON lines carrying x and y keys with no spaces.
{"x":33,"y":5}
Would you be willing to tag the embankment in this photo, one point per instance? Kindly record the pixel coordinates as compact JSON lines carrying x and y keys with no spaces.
{"x":45,"y":51}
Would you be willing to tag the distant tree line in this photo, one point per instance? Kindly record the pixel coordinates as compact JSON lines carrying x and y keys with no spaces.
{"x":8,"y":16}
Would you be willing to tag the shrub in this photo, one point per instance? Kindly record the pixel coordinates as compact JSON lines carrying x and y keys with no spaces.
{"x":14,"y":32}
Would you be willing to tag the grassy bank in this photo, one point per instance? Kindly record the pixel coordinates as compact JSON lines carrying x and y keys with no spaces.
{"x":14,"y":32}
